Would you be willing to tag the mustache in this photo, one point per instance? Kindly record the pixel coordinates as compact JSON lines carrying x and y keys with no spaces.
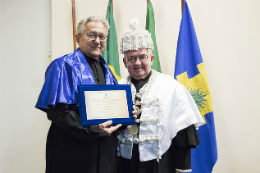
{"x":93,"y":44}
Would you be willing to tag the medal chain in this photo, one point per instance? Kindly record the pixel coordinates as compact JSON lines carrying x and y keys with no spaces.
{"x":134,"y":128}
{"x":139,"y":95}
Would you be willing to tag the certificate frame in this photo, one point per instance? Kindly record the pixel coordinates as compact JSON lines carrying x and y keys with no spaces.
{"x":85,"y":122}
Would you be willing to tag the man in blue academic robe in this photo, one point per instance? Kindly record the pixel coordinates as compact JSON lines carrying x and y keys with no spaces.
{"x":71,"y":147}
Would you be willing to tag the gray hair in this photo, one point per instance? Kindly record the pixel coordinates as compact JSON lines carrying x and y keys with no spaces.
{"x":82,"y":24}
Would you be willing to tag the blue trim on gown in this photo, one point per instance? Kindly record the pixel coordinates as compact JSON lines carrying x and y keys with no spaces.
{"x":62,"y":77}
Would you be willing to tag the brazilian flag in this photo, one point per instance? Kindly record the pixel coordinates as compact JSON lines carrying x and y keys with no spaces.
{"x":150,"y":26}
{"x":190,"y":71}
{"x":110,"y":53}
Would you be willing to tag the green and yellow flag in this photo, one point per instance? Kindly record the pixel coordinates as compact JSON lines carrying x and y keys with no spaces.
{"x":150,"y":26}
{"x":110,"y":53}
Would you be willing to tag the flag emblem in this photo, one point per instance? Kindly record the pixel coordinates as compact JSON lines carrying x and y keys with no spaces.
{"x":198,"y":97}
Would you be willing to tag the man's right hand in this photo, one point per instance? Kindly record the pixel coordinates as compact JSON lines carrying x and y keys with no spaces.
{"x":106,"y":129}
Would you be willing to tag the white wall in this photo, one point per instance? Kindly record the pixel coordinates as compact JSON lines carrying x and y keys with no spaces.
{"x":229,"y":38}
{"x":25,"y":41}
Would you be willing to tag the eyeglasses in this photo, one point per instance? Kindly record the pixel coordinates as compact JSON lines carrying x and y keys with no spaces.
{"x":141,"y":58}
{"x":92,"y":36}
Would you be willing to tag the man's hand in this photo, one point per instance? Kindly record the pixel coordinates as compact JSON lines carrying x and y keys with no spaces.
{"x":106,"y":129}
{"x":135,"y":112}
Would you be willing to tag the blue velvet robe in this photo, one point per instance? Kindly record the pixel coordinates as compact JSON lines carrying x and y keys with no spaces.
{"x":62,"y":77}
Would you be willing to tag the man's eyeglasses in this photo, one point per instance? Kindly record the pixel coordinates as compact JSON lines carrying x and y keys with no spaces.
{"x":141,"y":58}
{"x":92,"y":36}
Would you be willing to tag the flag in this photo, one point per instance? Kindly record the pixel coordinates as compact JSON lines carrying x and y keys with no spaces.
{"x":110,"y":54}
{"x":190,"y":71}
{"x":150,"y":26}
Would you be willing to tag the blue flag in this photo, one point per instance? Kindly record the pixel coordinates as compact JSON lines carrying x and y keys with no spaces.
{"x":190,"y":71}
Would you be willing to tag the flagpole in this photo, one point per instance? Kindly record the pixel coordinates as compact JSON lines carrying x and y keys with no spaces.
{"x":74,"y":23}
{"x":112,"y":5}
{"x":182,"y":2}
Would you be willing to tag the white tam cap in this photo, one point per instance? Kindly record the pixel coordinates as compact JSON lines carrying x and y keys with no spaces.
{"x":136,"y":38}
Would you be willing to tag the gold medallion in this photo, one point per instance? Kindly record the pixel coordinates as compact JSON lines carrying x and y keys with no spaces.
{"x":133,"y":129}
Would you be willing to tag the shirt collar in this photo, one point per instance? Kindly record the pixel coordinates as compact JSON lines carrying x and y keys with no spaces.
{"x":89,"y":59}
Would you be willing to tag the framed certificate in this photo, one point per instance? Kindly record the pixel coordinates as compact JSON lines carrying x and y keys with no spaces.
{"x":100,"y":103}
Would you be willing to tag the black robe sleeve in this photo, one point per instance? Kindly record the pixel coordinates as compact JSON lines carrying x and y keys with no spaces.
{"x":182,"y":144}
{"x":68,"y":120}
